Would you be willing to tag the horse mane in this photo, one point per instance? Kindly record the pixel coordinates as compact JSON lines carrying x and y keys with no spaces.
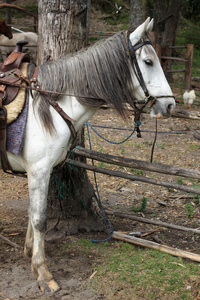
{"x":101,"y":73}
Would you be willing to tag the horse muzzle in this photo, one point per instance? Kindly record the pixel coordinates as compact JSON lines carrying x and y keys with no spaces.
{"x":162,"y":108}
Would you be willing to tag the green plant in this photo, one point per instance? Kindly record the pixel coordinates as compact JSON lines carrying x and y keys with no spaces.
{"x":196,"y":196}
{"x":101,"y":164}
{"x":141,"y":207}
{"x":193,"y":147}
{"x":190,"y":209}
{"x":136,"y":171}
{"x":162,"y":146}
{"x":122,"y":151}
{"x":179,"y":181}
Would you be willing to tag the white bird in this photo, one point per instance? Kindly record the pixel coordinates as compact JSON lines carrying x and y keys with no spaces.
{"x":188,"y":98}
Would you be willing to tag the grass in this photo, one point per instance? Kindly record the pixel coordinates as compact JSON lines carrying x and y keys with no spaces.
{"x":126,"y":270}
{"x":193,"y":147}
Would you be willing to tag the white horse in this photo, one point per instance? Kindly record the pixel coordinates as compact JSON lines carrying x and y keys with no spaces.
{"x":104,"y":73}
{"x":31,"y":48}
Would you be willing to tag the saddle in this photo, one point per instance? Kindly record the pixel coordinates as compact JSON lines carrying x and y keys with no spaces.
{"x":10,"y":73}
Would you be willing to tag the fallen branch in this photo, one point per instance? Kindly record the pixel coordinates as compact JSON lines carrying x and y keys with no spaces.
{"x":148,"y":221}
{"x":137,"y":164}
{"x":153,"y":245}
{"x":196,"y":134}
{"x":9,"y":242}
{"x":186,"y":114}
{"x":134,"y":177}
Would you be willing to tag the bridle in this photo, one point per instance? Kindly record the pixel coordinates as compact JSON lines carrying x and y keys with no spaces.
{"x":149,"y":99}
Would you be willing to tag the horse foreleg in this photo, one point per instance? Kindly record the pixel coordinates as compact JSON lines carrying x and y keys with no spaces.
{"x":38,"y":189}
{"x":29,"y":240}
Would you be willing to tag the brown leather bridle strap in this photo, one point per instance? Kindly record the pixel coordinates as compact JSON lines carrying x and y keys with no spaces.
{"x":34,"y":76}
{"x":61,"y":112}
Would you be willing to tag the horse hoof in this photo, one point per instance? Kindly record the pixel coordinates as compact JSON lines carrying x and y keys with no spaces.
{"x":49,"y":287}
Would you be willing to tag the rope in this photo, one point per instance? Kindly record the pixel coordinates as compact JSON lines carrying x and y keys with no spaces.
{"x":98,"y":195}
{"x":136,"y":125}
{"x":60,"y":185}
{"x":130,"y":129}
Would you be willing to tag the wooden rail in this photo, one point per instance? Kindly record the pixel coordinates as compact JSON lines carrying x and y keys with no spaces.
{"x":132,"y":163}
{"x":162,"y":52}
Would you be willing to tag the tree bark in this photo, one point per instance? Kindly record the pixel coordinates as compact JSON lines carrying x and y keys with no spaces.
{"x":171,"y":27}
{"x":136,"y":12}
{"x":72,"y":204}
{"x":65,"y":27}
{"x":159,"y":16}
{"x":172,"y":21}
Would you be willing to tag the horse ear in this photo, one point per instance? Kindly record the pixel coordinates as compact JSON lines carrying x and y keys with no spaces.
{"x":139,"y":32}
{"x":150,"y":26}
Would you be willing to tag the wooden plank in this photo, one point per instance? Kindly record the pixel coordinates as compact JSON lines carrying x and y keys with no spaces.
{"x":186,"y":114}
{"x":188,"y":66}
{"x":134,"y":177}
{"x":137,"y":164}
{"x":174,"y":58}
{"x":153,"y":245}
{"x":175,"y":71}
{"x":153,"y":222}
{"x":177,"y":47}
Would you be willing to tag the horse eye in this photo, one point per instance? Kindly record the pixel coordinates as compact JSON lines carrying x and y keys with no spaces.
{"x":148,"y":62}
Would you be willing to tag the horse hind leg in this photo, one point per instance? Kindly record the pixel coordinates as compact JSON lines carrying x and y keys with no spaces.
{"x":38,"y":189}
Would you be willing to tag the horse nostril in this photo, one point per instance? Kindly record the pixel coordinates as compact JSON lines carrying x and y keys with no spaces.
{"x":170,"y":107}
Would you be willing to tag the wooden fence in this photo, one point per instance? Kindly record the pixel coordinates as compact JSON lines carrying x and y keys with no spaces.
{"x":136,"y":164}
{"x":162,"y":52}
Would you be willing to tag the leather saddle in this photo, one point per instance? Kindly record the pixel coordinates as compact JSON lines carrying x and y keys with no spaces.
{"x":10,"y":73}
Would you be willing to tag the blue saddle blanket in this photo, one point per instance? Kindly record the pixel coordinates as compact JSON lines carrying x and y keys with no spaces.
{"x":16,"y":130}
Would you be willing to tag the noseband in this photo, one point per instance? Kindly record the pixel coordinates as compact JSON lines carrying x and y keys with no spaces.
{"x":148,"y":98}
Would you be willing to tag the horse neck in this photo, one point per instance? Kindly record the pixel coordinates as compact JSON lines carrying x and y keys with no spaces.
{"x":78,"y":112}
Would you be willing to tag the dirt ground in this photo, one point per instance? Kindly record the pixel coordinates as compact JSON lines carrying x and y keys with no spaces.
{"x":175,"y":145}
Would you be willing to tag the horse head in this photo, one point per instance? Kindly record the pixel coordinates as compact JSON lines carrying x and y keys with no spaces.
{"x":5,"y":29}
{"x":149,"y":80}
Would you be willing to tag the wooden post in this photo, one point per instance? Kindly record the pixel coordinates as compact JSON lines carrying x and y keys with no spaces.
{"x":165,"y":53}
{"x":188,"y":66}
{"x":158,"y":51}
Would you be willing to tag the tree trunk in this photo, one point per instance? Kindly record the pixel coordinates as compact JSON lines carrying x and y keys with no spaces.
{"x":8,"y":13}
{"x":159,"y":16}
{"x":136,"y":12}
{"x":72,"y":204}
{"x":172,"y":19}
